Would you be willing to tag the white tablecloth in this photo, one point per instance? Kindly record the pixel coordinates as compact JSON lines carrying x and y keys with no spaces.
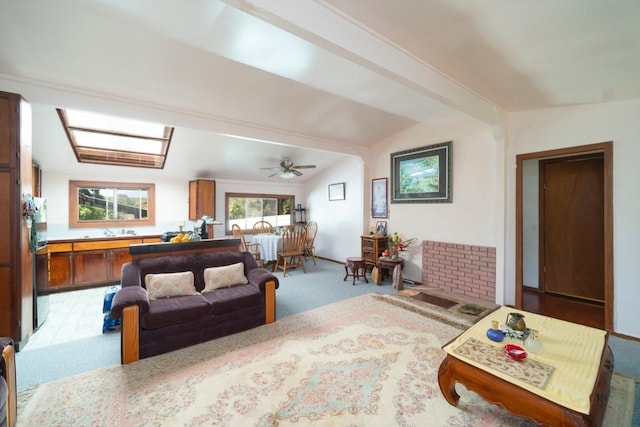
{"x":270,"y":244}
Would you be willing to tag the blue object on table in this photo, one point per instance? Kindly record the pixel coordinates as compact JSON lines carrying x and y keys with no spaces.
{"x":495,"y":334}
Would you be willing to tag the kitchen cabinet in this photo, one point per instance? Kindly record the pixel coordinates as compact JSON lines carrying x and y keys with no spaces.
{"x":60,"y":270}
{"x":202,"y":199}
{"x":117,"y":258}
{"x":16,"y":259}
{"x":93,"y":262}
{"x":372,"y":247}
{"x":90,"y":267}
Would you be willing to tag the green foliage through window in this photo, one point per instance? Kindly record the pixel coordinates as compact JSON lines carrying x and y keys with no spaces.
{"x":247,"y":209}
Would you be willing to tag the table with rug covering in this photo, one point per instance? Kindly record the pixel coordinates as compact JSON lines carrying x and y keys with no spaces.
{"x":566,"y":384}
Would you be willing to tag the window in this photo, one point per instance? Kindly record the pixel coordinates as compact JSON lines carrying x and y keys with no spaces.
{"x":111,"y":204}
{"x":106,"y":140}
{"x":247,"y":209}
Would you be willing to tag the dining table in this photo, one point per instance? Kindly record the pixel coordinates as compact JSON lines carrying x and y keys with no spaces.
{"x":270,"y":244}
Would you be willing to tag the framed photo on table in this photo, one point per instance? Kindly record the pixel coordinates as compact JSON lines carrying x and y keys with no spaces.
{"x":379,"y":199}
{"x":381,"y":228}
{"x":422,"y":175}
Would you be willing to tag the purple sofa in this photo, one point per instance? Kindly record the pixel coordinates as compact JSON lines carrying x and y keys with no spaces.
{"x":156,"y":326}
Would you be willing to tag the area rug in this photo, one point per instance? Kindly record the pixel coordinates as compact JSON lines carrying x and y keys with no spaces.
{"x":358,"y":362}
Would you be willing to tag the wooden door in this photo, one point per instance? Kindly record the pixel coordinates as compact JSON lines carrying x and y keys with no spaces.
{"x":572,"y":234}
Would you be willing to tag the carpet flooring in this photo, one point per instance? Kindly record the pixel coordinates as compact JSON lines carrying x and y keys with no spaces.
{"x":361,"y":361}
{"x":324,"y":282}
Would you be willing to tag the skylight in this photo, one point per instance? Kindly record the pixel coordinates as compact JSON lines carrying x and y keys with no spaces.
{"x":108,"y":140}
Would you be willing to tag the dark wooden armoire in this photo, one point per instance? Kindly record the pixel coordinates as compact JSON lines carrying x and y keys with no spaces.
{"x":16,"y":259}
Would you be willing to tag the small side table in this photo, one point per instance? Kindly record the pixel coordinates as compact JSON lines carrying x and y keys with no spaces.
{"x":386,"y":263}
{"x":356,"y":265}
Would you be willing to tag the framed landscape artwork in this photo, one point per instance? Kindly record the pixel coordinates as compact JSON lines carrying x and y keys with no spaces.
{"x":422,"y":175}
{"x":379,"y":199}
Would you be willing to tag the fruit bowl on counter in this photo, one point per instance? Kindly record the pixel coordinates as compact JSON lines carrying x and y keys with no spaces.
{"x":185,"y":237}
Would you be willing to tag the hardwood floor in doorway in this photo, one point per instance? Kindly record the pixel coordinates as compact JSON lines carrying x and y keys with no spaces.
{"x":565,"y":308}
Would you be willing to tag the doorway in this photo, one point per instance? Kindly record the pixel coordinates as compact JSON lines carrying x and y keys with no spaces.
{"x":564,"y":233}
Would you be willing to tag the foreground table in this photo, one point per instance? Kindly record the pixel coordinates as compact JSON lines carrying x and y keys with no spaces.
{"x":574,"y":393}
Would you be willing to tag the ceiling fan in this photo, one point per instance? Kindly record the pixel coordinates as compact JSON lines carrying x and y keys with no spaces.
{"x":288,"y":170}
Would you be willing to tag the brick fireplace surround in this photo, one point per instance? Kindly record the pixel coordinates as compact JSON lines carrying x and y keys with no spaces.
{"x":458,"y":268}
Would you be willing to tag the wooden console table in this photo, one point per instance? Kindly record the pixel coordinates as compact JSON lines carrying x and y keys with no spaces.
{"x":575,"y":394}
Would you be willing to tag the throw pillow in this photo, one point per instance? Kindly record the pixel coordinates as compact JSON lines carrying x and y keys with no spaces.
{"x":222,"y":277}
{"x":170,"y":285}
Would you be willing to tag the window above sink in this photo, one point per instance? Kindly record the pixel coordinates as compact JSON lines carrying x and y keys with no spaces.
{"x":111,"y":204}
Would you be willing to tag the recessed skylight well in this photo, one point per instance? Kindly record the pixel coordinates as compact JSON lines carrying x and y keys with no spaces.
{"x":101,"y":139}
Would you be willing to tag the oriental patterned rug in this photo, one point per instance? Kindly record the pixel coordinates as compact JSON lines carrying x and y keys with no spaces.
{"x":359,"y":362}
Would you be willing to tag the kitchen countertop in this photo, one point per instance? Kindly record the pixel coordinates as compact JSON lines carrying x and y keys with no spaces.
{"x":102,"y":237}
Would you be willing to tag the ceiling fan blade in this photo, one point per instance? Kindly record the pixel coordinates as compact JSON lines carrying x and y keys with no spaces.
{"x":274,"y":174}
{"x":296,"y":172}
{"x":274,"y":168}
{"x":304,"y":167}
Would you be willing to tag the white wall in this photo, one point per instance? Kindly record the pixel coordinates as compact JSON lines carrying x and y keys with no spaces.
{"x":340,"y":222}
{"x":572,"y":126}
{"x":471,"y":218}
{"x":172,"y":202}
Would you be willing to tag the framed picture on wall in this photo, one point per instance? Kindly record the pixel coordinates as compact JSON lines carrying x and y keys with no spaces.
{"x":379,"y":199}
{"x":336,"y":191}
{"x":422,"y":175}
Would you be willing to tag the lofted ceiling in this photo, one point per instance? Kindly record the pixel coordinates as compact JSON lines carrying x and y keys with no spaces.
{"x":248,"y":83}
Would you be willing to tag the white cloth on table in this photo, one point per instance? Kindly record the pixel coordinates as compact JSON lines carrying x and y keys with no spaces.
{"x":270,"y":244}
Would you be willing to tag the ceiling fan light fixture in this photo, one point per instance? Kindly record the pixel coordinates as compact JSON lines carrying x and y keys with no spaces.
{"x":287,"y":175}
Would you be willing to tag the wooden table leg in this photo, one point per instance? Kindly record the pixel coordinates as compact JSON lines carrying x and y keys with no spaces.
{"x":447,"y":383}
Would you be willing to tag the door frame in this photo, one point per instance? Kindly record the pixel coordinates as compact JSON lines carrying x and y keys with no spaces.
{"x":607,"y":149}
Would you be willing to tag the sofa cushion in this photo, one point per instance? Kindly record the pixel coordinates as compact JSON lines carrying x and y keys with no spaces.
{"x":225,"y":300}
{"x":224,"y":277}
{"x":165,"y":285}
{"x":170,"y":311}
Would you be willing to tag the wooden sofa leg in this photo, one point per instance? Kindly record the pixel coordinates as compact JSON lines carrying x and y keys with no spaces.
{"x":9,"y":356}
{"x":130,"y":340}
{"x":270,"y":303}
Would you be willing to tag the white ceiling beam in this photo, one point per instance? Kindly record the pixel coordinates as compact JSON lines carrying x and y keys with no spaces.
{"x":320,"y":23}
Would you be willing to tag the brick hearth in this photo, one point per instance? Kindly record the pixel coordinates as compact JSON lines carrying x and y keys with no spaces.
{"x":459,"y":268}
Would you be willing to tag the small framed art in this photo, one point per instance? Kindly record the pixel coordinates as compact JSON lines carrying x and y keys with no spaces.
{"x":336,"y":191}
{"x":379,"y":199}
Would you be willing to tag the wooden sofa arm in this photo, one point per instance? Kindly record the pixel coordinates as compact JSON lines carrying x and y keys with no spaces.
{"x":270,"y":301}
{"x":9,"y":356}
{"x":130,"y":334}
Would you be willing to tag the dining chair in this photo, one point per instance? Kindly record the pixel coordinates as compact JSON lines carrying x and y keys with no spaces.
{"x":309,"y":244}
{"x":292,"y":253}
{"x":252,"y":248}
{"x":262,"y":227}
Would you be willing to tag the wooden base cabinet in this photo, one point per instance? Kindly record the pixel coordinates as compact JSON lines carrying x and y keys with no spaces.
{"x":90,"y":267}
{"x":87,"y":263}
{"x":372,"y":247}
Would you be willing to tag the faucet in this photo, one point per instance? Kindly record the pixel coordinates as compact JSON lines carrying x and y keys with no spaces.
{"x":108,"y":232}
